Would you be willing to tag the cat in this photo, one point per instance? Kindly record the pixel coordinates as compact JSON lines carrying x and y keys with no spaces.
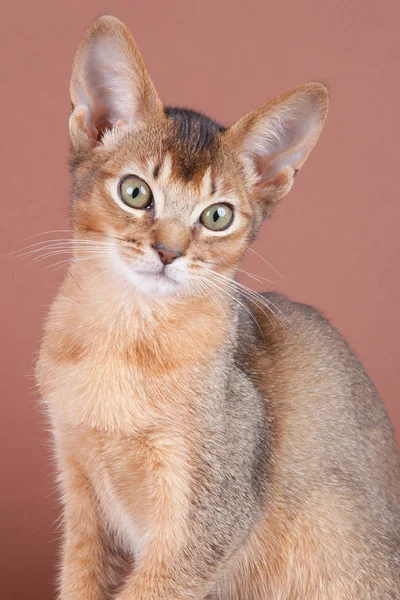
{"x":210,"y":442}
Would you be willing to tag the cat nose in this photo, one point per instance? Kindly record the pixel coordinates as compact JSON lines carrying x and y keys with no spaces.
{"x":166,"y":255}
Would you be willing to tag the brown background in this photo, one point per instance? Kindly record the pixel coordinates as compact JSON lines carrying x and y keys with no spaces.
{"x":335,"y":238}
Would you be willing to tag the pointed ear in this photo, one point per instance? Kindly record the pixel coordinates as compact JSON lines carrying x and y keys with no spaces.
{"x":110,"y":85}
{"x":277,"y":138}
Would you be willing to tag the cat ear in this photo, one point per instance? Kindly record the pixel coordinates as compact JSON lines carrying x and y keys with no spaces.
{"x":277,"y":138}
{"x":110,"y":85}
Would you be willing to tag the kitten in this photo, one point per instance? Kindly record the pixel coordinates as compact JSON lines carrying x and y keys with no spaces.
{"x":207,"y":447}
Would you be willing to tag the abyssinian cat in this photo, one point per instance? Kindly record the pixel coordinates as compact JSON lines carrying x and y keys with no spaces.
{"x":207,"y":447}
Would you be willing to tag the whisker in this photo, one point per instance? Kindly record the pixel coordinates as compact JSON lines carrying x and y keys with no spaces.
{"x":16,"y":253}
{"x":270,"y":306}
{"x":266,"y":262}
{"x":108,"y":270}
{"x":54,"y":244}
{"x":70,"y":240}
{"x":234,"y":284}
{"x":255,"y":297}
{"x":57,"y":265}
{"x":45,"y":233}
{"x":256,"y":277}
{"x":204,"y":285}
{"x":235,"y":299}
{"x":61,"y":251}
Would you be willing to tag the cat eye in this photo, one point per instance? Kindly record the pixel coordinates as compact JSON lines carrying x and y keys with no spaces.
{"x":217,"y":217}
{"x":135,"y":192}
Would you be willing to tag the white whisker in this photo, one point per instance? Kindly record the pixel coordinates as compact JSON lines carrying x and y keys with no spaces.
{"x":97,"y":251}
{"x":255,"y":297}
{"x":235,"y":299}
{"x":55,"y":244}
{"x":57,"y":265}
{"x":233,"y":285}
{"x":266,"y":262}
{"x":256,"y":277}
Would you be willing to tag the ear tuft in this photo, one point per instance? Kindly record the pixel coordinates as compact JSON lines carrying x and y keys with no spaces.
{"x":278,"y":137}
{"x":110,"y":85}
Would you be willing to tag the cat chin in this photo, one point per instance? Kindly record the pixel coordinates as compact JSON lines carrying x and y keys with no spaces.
{"x":148,"y":283}
{"x":157,"y":284}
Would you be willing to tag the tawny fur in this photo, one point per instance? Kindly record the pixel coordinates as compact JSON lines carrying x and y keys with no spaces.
{"x":207,"y":447}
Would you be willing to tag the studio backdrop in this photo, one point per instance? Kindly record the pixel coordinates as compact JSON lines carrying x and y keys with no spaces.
{"x":333,"y":242}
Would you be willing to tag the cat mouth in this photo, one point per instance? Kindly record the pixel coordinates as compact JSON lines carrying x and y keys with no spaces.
{"x":158,"y":277}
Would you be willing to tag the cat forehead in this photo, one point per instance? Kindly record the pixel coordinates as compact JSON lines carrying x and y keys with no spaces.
{"x":193,"y":142}
{"x":184,"y":151}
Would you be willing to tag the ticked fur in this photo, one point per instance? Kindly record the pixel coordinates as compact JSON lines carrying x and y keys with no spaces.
{"x":210,"y":444}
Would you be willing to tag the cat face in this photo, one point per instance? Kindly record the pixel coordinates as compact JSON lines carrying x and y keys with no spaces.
{"x":173,"y":197}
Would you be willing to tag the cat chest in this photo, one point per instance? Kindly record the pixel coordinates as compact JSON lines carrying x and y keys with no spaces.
{"x":113,"y":394}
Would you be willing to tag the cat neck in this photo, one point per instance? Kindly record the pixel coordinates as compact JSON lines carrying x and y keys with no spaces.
{"x":111,"y":314}
{"x":107,"y":356}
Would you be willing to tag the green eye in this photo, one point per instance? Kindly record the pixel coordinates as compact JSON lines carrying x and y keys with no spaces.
{"x":217,"y":217}
{"x":135,"y":192}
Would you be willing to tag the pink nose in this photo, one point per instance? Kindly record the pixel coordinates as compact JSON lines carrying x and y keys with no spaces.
{"x":166,"y":255}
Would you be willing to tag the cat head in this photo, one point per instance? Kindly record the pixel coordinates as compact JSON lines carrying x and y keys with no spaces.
{"x":172,"y":197}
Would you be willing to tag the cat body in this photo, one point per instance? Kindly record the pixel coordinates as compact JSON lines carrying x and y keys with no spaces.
{"x":210,"y":443}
